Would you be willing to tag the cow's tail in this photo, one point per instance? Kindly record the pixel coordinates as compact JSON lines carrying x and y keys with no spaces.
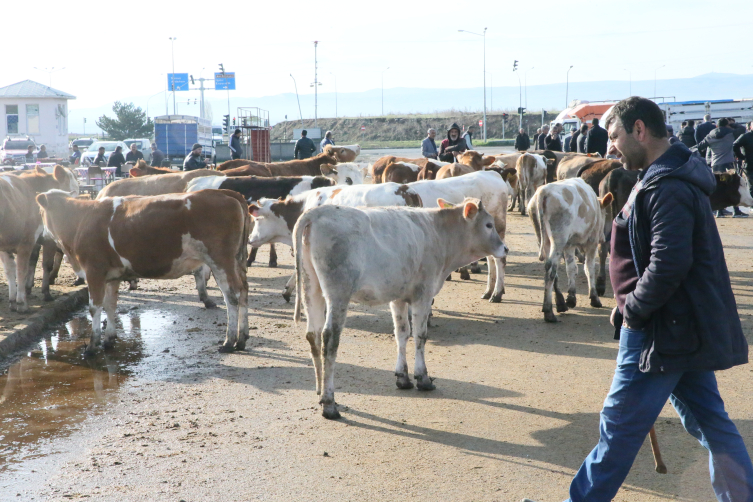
{"x":536,"y":209}
{"x":302,"y":226}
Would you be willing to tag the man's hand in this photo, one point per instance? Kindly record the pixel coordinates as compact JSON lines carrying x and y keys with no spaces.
{"x":614,"y":314}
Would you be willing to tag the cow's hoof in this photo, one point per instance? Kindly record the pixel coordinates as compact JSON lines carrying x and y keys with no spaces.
{"x":486,"y":295}
{"x":523,"y":213}
{"x":561,"y":307}
{"x":79,"y":282}
{"x":48,"y":297}
{"x":496,"y":298}
{"x":225,"y":349}
{"x":601,"y":290}
{"x":571,"y":301}
{"x":476,"y":269}
{"x":249,"y":263}
{"x":464,"y":275}
{"x":13,"y":307}
{"x":90,"y":350}
{"x":240,"y":345}
{"x":425,"y":383}
{"x":595,"y":302}
{"x":272,"y":264}
{"x":403,"y":381}
{"x":329,"y":411}
{"x":449,"y":278}
{"x":209,"y":304}
{"x":550,"y":317}
{"x":286,"y":296}
{"x":22,"y":308}
{"x":133,"y":287}
{"x":109,"y":343}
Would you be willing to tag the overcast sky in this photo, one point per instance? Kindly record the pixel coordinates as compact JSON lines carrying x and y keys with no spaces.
{"x":111,"y":50}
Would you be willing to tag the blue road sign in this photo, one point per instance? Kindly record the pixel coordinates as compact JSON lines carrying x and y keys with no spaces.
{"x":180,"y":80}
{"x":224,"y":81}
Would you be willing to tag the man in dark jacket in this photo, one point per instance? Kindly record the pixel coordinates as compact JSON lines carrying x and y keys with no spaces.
{"x":687,"y":134}
{"x":536,"y":138}
{"x":235,"y":145}
{"x":452,"y":143}
{"x":569,"y":139}
{"x":304,"y":147}
{"x":737,"y":129}
{"x":580,"y":146}
{"x":704,"y":128}
{"x":100,"y":158}
{"x":552,"y":141}
{"x":194,"y":159}
{"x":117,"y":160}
{"x":134,"y":155}
{"x":596,"y":139}
{"x":522,"y":142}
{"x":743,"y":148}
{"x":541,"y":141}
{"x":676,"y":313}
{"x":157,"y":156}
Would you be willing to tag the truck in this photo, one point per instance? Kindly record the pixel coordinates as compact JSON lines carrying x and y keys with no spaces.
{"x":176,"y":134}
{"x":675,"y":112}
{"x":581,"y":112}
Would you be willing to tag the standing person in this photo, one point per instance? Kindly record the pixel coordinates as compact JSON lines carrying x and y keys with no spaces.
{"x":235,"y":145}
{"x":326,"y":141}
{"x":596,"y":139}
{"x":429,"y":146}
{"x":704,"y":128}
{"x":468,"y":137}
{"x":29,"y":157}
{"x":687,"y":134}
{"x":157,"y":155}
{"x":75,"y":157}
{"x":737,"y":129}
{"x":666,"y":251}
{"x":671,"y":135}
{"x":522,"y":142}
{"x":117,"y":160}
{"x":569,"y":139}
{"x":582,"y":138}
{"x":100,"y":158}
{"x":134,"y":155}
{"x":743,"y":148}
{"x":304,"y":147}
{"x":453,"y":143}
{"x":42,"y":153}
{"x":541,"y":142}
{"x":194,"y":159}
{"x":553,"y":141}
{"x":536,"y":138}
{"x":574,"y":140}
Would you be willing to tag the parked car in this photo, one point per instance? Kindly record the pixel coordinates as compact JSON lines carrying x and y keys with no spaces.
{"x":144,"y":146}
{"x":14,"y":149}
{"x":88,"y":157}
{"x":82,"y":143}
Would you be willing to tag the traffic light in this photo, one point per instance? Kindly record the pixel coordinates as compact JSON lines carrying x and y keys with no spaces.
{"x":504,"y":116}
{"x":544,"y":114}
{"x":192,"y":82}
{"x":226,"y":123}
{"x":515,"y":65}
{"x":222,"y":69}
{"x":521,"y":110}
{"x":233,"y":121}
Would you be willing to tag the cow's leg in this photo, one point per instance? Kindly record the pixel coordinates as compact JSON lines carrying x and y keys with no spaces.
{"x":499,"y":287}
{"x":489,"y":280}
{"x":523,"y":203}
{"x":272,"y":256}
{"x":475,"y":268}
{"x":57,"y":261}
{"x":289,"y":288}
{"x":601,"y":279}
{"x":572,"y":273}
{"x":252,"y":256}
{"x":559,"y":298}
{"x":550,"y":279}
{"x":242,"y":287}
{"x":111,"y":306}
{"x":337,"y":310}
{"x":201,"y":275}
{"x":49,"y":252}
{"x":420,"y":310}
{"x":400,"y":313}
{"x":590,"y":269}
{"x":96,"y":300}
{"x":464,"y":274}
{"x":313,"y":301}
{"x":9,"y":265}
{"x":33,"y":260}
{"x":22,"y":273}
{"x":133,"y":285}
{"x":232,"y":301}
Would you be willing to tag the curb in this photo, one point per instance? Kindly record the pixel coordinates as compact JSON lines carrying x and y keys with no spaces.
{"x":36,"y":324}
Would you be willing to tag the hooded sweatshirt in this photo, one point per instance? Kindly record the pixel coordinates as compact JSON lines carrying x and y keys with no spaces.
{"x":448,"y":145}
{"x":679,"y":290}
{"x":719,"y":142}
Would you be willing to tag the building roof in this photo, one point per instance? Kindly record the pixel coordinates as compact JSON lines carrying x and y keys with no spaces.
{"x":31,"y":89}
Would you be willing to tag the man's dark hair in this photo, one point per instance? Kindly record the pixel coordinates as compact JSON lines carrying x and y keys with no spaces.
{"x":723,"y":122}
{"x":731,"y":120}
{"x":691,"y":123}
{"x":684,"y":123}
{"x":595,"y":122}
{"x":584,"y":128}
{"x":304,"y":132}
{"x":636,"y":108}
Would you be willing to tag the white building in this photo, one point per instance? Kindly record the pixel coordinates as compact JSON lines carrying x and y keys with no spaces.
{"x":31,"y":109}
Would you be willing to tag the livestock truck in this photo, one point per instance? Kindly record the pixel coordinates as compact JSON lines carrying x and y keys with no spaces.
{"x":176,"y":134}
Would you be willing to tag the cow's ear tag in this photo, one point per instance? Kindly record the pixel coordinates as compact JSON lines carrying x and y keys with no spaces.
{"x":444,"y":204}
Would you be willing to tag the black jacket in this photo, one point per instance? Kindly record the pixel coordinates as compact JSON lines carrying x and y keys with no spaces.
{"x":574,"y":141}
{"x":192,"y":162}
{"x":596,"y":140}
{"x":687,"y":136}
{"x":683,"y":297}
{"x":448,"y":146}
{"x":304,"y":148}
{"x":553,"y":143}
{"x":157,"y":157}
{"x":745,"y":142}
{"x":131,"y":157}
{"x":116,"y":160}
{"x":541,"y":141}
{"x":702,"y":130}
{"x":738,"y":130}
{"x":236,"y":149}
{"x":582,"y":143}
{"x":522,"y":142}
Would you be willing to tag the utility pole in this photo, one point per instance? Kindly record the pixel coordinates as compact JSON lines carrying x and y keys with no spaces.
{"x":567,"y":85}
{"x":520,"y":93}
{"x":316,"y":86}
{"x":383,"y":88}
{"x":299,"y":99}
{"x":172,"y":80}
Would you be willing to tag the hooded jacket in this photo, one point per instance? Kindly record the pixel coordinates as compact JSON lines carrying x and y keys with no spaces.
{"x":522,"y":142}
{"x":745,"y":142}
{"x":448,"y":146}
{"x":719,"y":143}
{"x":702,"y":130}
{"x":596,"y":140}
{"x":683,"y":297}
{"x":687,"y":136}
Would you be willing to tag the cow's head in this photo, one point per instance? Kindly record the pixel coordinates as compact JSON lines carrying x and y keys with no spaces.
{"x":348,"y":173}
{"x":474,"y":160}
{"x":733,"y":189}
{"x":274,"y":220}
{"x":347,"y":153}
{"x":479,"y":234}
{"x":52,"y":205}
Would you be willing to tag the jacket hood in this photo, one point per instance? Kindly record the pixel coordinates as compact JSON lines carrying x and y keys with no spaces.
{"x":679,"y":162}
{"x":720,"y":132}
{"x":453,"y":126}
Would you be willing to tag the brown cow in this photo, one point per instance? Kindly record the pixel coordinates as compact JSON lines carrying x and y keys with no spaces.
{"x":568,"y":167}
{"x":467,"y":162}
{"x":595,"y":172}
{"x":21,"y":227}
{"x":154,"y":185}
{"x":400,"y":172}
{"x":163,"y":237}
{"x":430,"y":170}
{"x":306,"y":167}
{"x":142,"y":169}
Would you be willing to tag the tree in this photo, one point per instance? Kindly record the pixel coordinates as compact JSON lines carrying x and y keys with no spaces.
{"x":130,"y":122}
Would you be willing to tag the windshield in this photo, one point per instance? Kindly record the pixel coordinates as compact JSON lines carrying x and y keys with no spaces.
{"x":18,"y":145}
{"x":129,"y":142}
{"x":83,"y":142}
{"x":217,"y":130}
{"x":109,"y":147}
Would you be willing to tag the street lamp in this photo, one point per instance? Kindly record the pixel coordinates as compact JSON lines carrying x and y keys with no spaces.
{"x":491,"y":91}
{"x":383,"y":88}
{"x":334,"y":77}
{"x":172,"y":81}
{"x":630,"y":77}
{"x":659,"y":68}
{"x":299,"y":99}
{"x":567,"y":86}
{"x":50,"y":71}
{"x":147,"y":104}
{"x":484,"y":37}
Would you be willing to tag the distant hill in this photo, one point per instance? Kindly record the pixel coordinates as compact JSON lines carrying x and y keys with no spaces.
{"x":416,"y":100}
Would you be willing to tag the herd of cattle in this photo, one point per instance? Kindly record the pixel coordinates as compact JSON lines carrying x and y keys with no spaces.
{"x":390,"y":232}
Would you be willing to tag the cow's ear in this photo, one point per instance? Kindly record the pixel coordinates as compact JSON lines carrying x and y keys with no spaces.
{"x":42,"y":200}
{"x":253,"y":210}
{"x":59,"y":173}
{"x":724,"y":177}
{"x":488,"y":160}
{"x":470,"y":210}
{"x":444,"y":204}
{"x":606,"y":200}
{"x":550,"y":162}
{"x":326,"y":169}
{"x":39,"y":169}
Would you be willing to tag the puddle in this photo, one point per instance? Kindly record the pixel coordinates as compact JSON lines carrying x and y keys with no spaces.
{"x":52,"y":390}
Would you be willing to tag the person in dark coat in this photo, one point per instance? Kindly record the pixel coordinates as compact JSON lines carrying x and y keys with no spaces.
{"x":42,"y":153}
{"x":704,"y":128}
{"x":596,"y":139}
{"x":157,"y":155}
{"x":194,"y":159}
{"x":737,"y":129}
{"x":75,"y":157}
{"x":552,"y":141}
{"x":100,"y":159}
{"x":235,"y":145}
{"x":134,"y":155}
{"x":569,"y":139}
{"x":117,"y":160}
{"x":687,"y":134}
{"x":676,"y":315}
{"x":582,"y":138}
{"x":535,"y":141}
{"x":743,"y":148}
{"x":541,"y":142}
{"x":522,"y":142}
{"x":304,"y":147}
{"x":453,"y":143}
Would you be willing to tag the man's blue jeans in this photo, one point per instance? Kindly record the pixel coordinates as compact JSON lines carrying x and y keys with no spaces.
{"x":630,"y":410}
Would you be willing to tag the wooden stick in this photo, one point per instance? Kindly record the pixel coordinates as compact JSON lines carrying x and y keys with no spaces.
{"x":660,"y":467}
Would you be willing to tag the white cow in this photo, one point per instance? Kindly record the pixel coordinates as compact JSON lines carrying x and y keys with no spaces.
{"x":531,"y":169}
{"x":567,"y":215}
{"x":374,"y":256}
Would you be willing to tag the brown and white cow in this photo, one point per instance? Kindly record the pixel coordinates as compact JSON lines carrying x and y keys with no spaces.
{"x":571,"y":165}
{"x":531,"y":169}
{"x":142,"y":169}
{"x":346,"y":254}
{"x":595,"y":172}
{"x":400,"y":172}
{"x":305,"y":167}
{"x":567,"y":215}
{"x":21,"y":226}
{"x":116,"y":239}
{"x":343,"y":153}
{"x":154,"y":184}
{"x":376,"y":170}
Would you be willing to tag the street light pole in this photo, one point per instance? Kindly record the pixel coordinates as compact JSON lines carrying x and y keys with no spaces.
{"x":383,"y":88}
{"x":299,"y":99}
{"x":630,"y":77}
{"x":316,"y":86}
{"x":484,"y":37}
{"x":334,"y":77}
{"x":659,"y":68}
{"x":172,"y":80}
{"x":567,"y":86}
